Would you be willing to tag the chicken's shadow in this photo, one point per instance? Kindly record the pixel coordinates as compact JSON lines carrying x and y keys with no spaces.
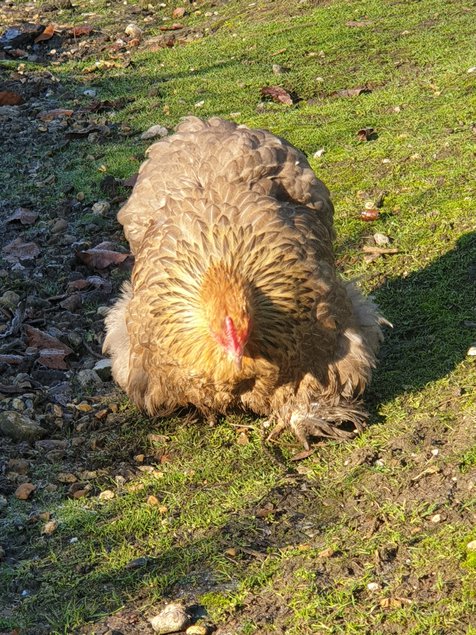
{"x":433,"y":311}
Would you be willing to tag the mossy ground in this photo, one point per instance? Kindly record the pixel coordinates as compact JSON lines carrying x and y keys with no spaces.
{"x":263,"y":543}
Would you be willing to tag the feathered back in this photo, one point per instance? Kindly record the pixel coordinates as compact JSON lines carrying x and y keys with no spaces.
{"x":217,"y":156}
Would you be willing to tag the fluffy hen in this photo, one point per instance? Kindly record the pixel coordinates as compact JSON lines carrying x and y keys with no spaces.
{"x":234,"y":301}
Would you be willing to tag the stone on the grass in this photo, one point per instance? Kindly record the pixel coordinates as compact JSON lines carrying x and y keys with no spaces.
{"x":172,"y":619}
{"x":49,"y":527}
{"x":154,"y":131}
{"x":19,"y":427}
{"x":101,"y":208}
{"x":88,"y":377}
{"x":197,"y":629}
{"x":106,"y":495}
{"x":10,"y":300}
{"x":381,"y":240}
{"x":104,"y":369}
{"x":133,"y":31}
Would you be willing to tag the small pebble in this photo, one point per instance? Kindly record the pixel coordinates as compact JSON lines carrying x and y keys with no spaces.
{"x":80,"y":493}
{"x":20,"y":466}
{"x":103,"y":368}
{"x":436,"y":518}
{"x":318,"y":153}
{"x":66,"y":477}
{"x":472,"y":350}
{"x":381,"y":240}
{"x":197,"y":629}
{"x":471,"y":546}
{"x":60,"y":226}
{"x":137,"y":563}
{"x":133,"y":31}
{"x":242,"y":439}
{"x":106,"y":495}
{"x":101,"y":208}
{"x":278,"y":69}
{"x":10,"y":300}
{"x":172,"y":619}
{"x":18,"y":427}
{"x":88,"y":377}
{"x":373,"y":586}
{"x":154,"y":131}
{"x":49,"y":527}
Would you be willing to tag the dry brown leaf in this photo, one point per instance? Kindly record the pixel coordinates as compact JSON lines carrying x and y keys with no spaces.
{"x":23,"y":215}
{"x":302,"y":455}
{"x":178,"y":12}
{"x":24,"y":491}
{"x":277,"y":94}
{"x":265,"y":511}
{"x":366,"y":134}
{"x":53,"y":358}
{"x":80,"y":31}
{"x":98,"y":258}
{"x":9,"y":98}
{"x":56,"y":113}
{"x":394,"y":603}
{"x":369,"y":215}
{"x":47,"y":34}
{"x":45,"y":341}
{"x":20,"y":250}
{"x":173,"y":27}
{"x":78,"y":285}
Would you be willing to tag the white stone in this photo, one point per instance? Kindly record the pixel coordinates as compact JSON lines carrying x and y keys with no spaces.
{"x":154,"y":131}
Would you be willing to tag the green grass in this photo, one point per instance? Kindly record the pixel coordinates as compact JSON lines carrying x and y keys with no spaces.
{"x":415,"y":57}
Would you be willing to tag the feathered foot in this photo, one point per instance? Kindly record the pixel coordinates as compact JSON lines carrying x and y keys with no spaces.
{"x":322,"y":421}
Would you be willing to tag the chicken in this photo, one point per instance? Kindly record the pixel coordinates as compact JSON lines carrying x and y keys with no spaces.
{"x":234,"y":302}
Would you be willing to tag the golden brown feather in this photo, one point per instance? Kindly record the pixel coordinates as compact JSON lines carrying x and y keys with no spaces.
{"x":234,"y":301}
